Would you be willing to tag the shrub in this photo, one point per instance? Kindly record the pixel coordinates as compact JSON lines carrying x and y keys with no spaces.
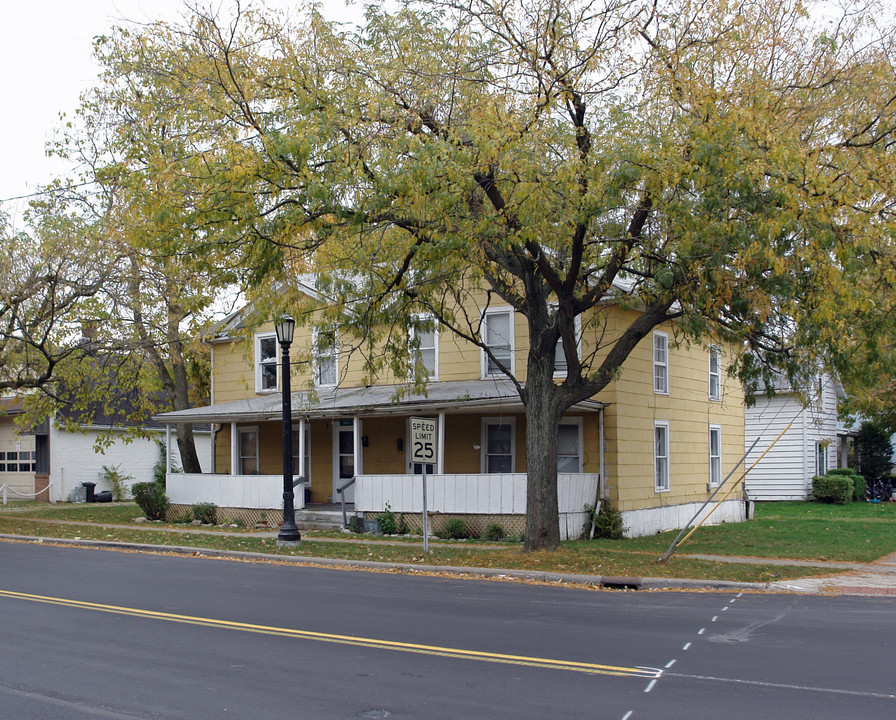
{"x":858,"y":482}
{"x":607,"y":522}
{"x":455,"y":529}
{"x":835,"y":489}
{"x":206,"y":513}
{"x":355,"y":524}
{"x":387,"y":521}
{"x":118,"y":480}
{"x":493,"y":531}
{"x":152,"y":500}
{"x":402,"y":528}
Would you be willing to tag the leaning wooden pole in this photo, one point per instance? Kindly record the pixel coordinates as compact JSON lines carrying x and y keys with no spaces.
{"x":678,"y":539}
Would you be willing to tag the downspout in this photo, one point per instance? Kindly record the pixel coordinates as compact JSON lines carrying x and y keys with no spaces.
{"x":234,"y":449}
{"x":440,"y":465}
{"x":167,"y":450}
{"x":215,"y":429}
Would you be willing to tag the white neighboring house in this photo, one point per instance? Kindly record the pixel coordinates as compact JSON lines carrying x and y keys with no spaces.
{"x":814,"y":443}
{"x":69,"y":459}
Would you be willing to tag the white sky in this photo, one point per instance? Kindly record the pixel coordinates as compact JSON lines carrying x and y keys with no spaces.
{"x":46,"y":56}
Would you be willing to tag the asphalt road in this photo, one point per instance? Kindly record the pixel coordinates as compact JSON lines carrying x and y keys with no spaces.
{"x":97,"y":634}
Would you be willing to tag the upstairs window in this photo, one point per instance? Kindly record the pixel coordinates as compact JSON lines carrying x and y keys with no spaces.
{"x":497,"y":333}
{"x":326,"y":358}
{"x":266,"y":363}
{"x":560,"y":364}
{"x":426,"y":337}
{"x":715,"y":373}
{"x":660,"y":363}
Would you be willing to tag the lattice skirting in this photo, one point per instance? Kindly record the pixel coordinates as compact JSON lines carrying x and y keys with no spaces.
{"x":513,"y":525}
{"x":245,"y":517}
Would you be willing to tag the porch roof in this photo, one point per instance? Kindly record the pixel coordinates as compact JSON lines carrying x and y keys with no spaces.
{"x":452,"y":397}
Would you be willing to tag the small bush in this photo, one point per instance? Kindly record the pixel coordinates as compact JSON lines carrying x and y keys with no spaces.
{"x":113,"y":475}
{"x":402,"y":528}
{"x":206,"y":513}
{"x":607,"y":522}
{"x":836,"y":489}
{"x":151,"y":499}
{"x":455,"y":529}
{"x":858,"y":482}
{"x":493,"y":531}
{"x":387,"y":521}
{"x":355,"y":524}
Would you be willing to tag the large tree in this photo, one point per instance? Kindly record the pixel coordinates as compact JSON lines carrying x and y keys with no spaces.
{"x":48,"y":276}
{"x":722,"y":166}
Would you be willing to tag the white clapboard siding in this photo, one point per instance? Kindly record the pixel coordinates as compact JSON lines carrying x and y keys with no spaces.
{"x":237,"y":491}
{"x":786,"y":471}
{"x":493,"y":494}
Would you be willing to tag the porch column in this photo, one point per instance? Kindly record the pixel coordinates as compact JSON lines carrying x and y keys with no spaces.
{"x":234,"y":449}
{"x":440,"y":465}
{"x":167,"y":449}
{"x":359,"y":456}
{"x":301,"y":469}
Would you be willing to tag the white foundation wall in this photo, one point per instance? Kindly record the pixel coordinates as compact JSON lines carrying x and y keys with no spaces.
{"x":73,"y":459}
{"x":650,"y":521}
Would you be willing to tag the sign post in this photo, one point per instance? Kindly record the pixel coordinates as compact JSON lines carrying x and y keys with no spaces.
{"x":424,"y":450}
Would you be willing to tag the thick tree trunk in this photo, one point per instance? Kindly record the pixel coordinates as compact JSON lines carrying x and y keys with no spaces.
{"x":543,"y":414}
{"x":189,"y":458}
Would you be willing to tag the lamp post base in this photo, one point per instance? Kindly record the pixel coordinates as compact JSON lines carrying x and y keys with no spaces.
{"x":288,"y":543}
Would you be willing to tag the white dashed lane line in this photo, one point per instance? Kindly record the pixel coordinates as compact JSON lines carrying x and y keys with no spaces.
{"x":686,"y":646}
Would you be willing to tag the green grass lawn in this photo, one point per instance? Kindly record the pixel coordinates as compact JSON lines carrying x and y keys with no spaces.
{"x":859,"y":532}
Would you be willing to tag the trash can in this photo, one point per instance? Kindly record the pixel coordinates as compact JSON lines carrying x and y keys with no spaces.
{"x":103,"y":496}
{"x":90,"y":486}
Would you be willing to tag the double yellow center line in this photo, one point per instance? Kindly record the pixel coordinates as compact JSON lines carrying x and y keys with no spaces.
{"x":570,"y":665}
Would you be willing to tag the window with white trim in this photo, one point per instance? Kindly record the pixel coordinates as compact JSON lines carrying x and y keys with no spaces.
{"x":560,"y":364}
{"x":821,"y":458}
{"x":660,"y":363}
{"x":715,"y":373}
{"x":661,"y":456}
{"x":247,"y":446}
{"x":715,"y":456}
{"x":497,"y":333}
{"x":266,"y":363}
{"x":425,"y":337}
{"x":296,"y":429}
{"x":326,"y":358}
{"x":498,"y":445}
{"x":569,"y":446}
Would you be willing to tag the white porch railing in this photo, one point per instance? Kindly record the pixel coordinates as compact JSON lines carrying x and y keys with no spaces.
{"x":264,"y":492}
{"x":478,"y":494}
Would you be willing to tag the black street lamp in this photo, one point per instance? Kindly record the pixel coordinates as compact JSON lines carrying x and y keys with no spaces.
{"x":289,"y":533}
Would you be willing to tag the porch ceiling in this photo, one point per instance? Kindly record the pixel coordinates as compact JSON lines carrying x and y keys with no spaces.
{"x":379,"y":400}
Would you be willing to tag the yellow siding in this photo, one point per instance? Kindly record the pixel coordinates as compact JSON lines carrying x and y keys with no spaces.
{"x":632,"y":409}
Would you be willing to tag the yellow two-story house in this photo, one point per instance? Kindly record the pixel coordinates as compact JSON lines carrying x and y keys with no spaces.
{"x":656,"y":442}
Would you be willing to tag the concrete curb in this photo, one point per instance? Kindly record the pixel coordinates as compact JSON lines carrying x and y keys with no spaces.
{"x":609,"y":582}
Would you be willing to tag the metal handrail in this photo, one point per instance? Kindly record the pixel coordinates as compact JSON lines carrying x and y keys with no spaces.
{"x":341,"y":492}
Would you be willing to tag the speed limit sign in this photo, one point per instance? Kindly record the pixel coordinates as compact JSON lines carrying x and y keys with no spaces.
{"x":424,"y":441}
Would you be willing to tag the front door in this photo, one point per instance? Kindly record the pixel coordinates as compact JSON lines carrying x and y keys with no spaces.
{"x":343,"y":458}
